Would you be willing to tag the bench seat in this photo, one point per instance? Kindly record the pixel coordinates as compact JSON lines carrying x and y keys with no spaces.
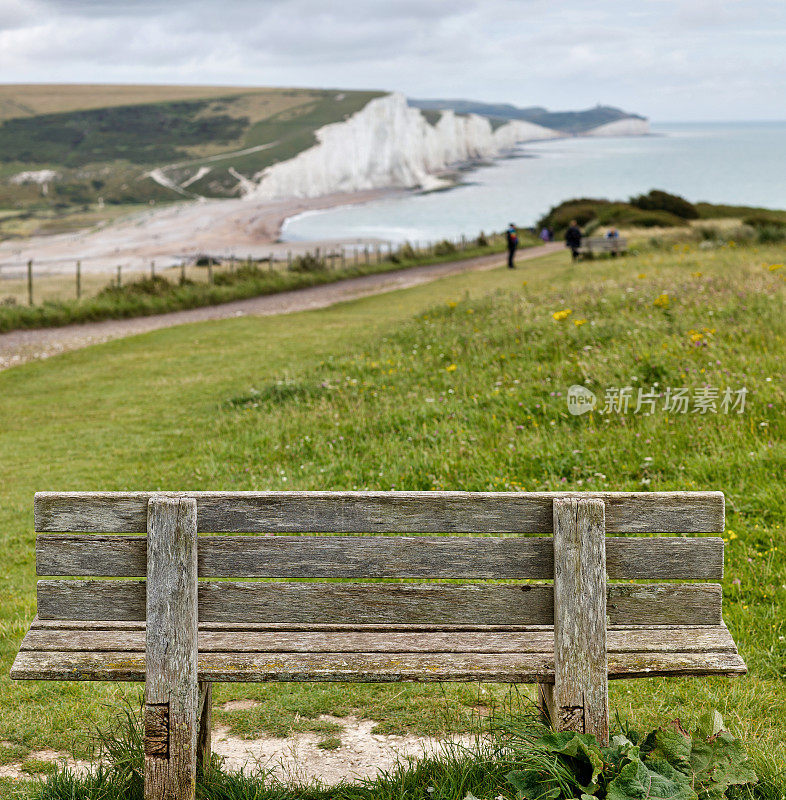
{"x":74,"y":650}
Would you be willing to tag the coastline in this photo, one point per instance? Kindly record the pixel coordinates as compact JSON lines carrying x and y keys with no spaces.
{"x":178,"y":232}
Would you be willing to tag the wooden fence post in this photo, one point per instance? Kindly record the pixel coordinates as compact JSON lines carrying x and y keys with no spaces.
{"x":581,"y":689}
{"x":153,"y":270}
{"x":30,"y":282}
{"x":209,"y":269}
{"x":119,"y":276}
{"x":78,"y":280}
{"x":182,"y":272}
{"x":171,"y":686}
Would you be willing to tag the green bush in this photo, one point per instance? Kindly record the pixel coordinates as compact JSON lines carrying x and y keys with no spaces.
{"x":658,"y":200}
{"x":147,"y":287}
{"x":444,"y":248}
{"x":308,"y":262}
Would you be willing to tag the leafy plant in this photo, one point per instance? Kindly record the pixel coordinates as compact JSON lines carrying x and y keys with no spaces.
{"x":666,"y":764}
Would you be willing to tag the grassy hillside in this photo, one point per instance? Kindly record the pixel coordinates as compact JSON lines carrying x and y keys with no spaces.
{"x":31,"y":99}
{"x":458,"y":384}
{"x":198,"y":137}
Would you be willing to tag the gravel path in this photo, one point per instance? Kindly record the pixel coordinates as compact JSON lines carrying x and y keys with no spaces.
{"x":17,"y":347}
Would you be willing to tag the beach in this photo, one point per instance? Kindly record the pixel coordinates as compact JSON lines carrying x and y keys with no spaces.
{"x":172,"y":234}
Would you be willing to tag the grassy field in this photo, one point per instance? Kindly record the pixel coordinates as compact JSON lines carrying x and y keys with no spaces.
{"x":30,"y":99}
{"x":458,"y":384}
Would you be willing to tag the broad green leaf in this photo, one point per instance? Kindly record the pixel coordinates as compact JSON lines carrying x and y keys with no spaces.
{"x":709,"y":724}
{"x":531,"y":784}
{"x":717,"y":763}
{"x":584,"y":749}
{"x":673,"y":746}
{"x":655,"y":781}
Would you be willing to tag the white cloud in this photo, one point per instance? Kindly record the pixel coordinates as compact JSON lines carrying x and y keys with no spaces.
{"x":675,"y":59}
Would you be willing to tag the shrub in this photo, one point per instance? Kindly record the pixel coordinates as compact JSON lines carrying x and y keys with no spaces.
{"x":406,"y":252}
{"x":658,"y":200}
{"x":444,"y":248}
{"x":206,"y":261}
{"x":308,"y":262}
{"x":148,"y":287}
{"x":652,"y":219}
{"x":482,"y":241}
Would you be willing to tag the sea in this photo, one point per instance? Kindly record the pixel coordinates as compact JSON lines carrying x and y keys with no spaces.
{"x":736,"y":163}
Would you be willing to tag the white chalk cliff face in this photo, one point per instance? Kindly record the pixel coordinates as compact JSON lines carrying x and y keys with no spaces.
{"x":386,"y":144}
{"x":622,"y":127}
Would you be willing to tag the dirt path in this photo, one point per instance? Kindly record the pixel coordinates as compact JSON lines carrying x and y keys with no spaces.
{"x":17,"y":347}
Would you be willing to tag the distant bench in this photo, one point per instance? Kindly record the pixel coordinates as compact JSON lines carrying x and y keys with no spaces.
{"x":601,"y":244}
{"x":199,"y":632}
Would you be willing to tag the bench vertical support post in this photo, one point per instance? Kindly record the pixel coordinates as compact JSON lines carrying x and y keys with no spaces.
{"x":205,"y":734}
{"x":581,"y":691}
{"x":171,"y":687}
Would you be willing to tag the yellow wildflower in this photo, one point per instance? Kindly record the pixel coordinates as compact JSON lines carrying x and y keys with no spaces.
{"x":774,"y":267}
{"x":642,"y":275}
{"x":451,"y":368}
{"x":578,"y":322}
{"x":696,"y":274}
{"x":560,"y":315}
{"x":452,"y":304}
{"x":661,"y":301}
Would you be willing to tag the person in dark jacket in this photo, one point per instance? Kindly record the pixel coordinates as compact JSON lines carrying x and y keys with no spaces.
{"x":573,"y":239}
{"x":513,"y":242}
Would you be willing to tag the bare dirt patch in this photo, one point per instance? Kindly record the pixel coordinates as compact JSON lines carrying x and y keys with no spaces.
{"x":299,"y":758}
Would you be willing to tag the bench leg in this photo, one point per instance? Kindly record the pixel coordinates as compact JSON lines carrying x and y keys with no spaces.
{"x":205,"y":724}
{"x":581,"y":689}
{"x":545,"y":701}
{"x":171,"y":688}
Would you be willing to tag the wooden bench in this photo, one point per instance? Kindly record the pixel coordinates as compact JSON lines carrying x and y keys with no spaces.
{"x":569,"y":635}
{"x":596,"y":245}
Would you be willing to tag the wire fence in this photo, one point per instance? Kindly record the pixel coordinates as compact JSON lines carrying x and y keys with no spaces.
{"x":34,"y":283}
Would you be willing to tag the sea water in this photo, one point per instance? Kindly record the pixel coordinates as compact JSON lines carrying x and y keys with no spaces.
{"x":741,"y":163}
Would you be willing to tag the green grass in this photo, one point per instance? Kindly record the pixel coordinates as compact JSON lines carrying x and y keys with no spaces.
{"x":458,"y":384}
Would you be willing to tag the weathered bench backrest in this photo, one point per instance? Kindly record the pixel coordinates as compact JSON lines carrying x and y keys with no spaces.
{"x":82,"y":549}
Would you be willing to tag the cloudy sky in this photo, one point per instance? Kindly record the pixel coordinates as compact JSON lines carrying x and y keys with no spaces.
{"x":668,"y":59}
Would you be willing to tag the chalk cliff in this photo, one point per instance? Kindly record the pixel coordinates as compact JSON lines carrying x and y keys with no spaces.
{"x":388,"y":143}
{"x":631,"y":126}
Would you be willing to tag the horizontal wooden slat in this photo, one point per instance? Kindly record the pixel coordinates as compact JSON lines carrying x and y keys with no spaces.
{"x":539,"y":640}
{"x":651,"y":558}
{"x":382,"y":512}
{"x":693,"y":604}
{"x":365,"y":667}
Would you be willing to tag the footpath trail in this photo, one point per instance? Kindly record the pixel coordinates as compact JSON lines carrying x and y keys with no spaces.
{"x":17,"y":347}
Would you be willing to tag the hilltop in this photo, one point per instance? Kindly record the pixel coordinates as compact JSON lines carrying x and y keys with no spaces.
{"x":569,"y":122}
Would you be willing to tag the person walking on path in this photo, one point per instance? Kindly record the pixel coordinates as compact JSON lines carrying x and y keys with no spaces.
{"x":513,"y":242}
{"x":573,"y":239}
